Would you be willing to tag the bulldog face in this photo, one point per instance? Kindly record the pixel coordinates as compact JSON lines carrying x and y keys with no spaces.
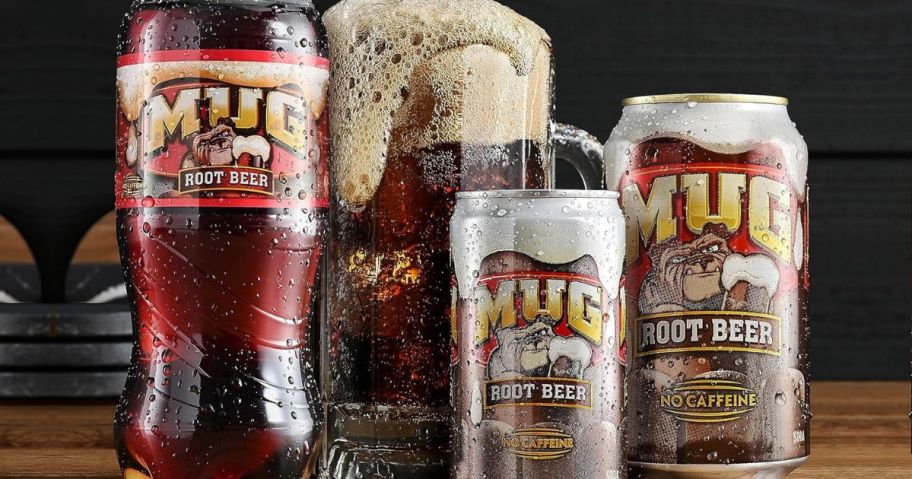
{"x":693,"y":268}
{"x":523,"y":350}
{"x":531,"y":347}
{"x":214,"y":147}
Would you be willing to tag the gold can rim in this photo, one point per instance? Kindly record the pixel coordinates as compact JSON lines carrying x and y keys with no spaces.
{"x":706,"y":98}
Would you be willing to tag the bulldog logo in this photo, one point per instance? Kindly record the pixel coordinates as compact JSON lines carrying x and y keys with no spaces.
{"x":222,"y":146}
{"x":212,"y":148}
{"x":705,"y":275}
{"x":535,"y":351}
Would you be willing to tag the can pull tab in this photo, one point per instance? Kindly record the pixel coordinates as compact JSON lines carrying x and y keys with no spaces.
{"x":581,"y":150}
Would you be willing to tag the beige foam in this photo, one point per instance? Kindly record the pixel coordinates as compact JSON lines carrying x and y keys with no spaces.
{"x":135,"y":83}
{"x":474,"y":95}
{"x":475,"y":71}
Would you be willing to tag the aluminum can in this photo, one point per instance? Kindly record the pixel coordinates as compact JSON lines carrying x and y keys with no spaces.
{"x":538,"y":345}
{"x":714,"y":193}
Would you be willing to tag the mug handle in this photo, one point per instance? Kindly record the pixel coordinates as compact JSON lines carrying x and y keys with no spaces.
{"x":581,"y":150}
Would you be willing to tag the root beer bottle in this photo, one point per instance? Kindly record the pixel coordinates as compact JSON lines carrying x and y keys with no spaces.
{"x":221,"y":187}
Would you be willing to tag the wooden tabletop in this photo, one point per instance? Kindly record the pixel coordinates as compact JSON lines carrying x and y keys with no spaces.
{"x":860,"y":429}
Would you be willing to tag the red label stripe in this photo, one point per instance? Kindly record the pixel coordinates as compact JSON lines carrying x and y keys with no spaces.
{"x":223,"y":203}
{"x":261,"y":56}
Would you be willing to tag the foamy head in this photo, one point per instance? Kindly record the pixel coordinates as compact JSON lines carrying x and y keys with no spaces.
{"x":424,"y":72}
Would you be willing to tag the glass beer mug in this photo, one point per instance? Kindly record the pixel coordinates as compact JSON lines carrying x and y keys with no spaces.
{"x":428,"y":98}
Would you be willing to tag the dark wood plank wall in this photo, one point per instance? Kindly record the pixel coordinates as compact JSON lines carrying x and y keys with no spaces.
{"x":845,"y":64}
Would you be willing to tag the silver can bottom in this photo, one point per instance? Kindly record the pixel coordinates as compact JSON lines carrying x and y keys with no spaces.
{"x":756,"y":470}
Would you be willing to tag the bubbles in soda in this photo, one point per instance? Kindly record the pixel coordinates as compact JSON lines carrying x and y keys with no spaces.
{"x":221,"y":383}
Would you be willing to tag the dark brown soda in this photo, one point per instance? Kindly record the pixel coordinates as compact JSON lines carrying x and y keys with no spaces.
{"x":222,"y":383}
{"x":401,"y":327}
{"x":389,"y":333}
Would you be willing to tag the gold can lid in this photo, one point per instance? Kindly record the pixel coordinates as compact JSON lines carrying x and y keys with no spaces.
{"x":705,"y":98}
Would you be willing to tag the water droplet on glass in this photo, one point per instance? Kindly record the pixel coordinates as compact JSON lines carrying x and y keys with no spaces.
{"x":780,"y":399}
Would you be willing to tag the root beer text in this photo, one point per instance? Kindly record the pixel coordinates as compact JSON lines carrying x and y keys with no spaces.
{"x":717,"y":330}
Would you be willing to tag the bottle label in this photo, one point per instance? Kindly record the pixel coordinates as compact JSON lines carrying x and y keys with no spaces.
{"x":221,"y":128}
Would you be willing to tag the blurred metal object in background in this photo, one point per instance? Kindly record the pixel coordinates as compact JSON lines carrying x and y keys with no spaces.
{"x":77,"y":349}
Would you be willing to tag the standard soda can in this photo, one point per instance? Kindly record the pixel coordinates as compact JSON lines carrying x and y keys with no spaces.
{"x":714,"y":194}
{"x":538,"y":344}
